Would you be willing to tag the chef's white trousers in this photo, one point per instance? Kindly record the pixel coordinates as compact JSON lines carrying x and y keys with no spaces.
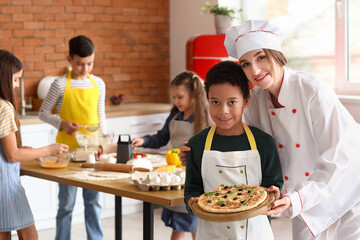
{"x":301,"y":232}
{"x":347,"y":228}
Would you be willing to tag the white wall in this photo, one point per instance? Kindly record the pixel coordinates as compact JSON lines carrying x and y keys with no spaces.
{"x":186,"y":21}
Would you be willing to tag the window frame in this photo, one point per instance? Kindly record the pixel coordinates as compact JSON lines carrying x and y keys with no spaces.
{"x":342,"y":81}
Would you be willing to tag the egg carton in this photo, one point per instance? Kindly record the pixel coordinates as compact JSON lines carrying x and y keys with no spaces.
{"x":148,"y":187}
{"x":160,"y":181}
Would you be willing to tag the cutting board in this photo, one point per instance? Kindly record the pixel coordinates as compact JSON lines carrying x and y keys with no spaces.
{"x":232,"y":217}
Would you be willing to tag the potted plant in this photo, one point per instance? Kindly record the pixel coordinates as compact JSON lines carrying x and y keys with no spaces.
{"x":224,"y":16}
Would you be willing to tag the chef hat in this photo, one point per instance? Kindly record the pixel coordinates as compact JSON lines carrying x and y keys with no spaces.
{"x":254,"y":34}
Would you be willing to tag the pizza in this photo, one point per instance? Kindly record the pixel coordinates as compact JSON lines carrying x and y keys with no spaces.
{"x":231,"y":199}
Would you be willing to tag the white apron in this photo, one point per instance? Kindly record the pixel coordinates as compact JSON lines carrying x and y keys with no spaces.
{"x":230,"y":168}
{"x":180,"y":131}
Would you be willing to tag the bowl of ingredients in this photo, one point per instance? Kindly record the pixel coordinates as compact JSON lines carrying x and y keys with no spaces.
{"x":106,"y":138}
{"x":52,"y":162}
{"x":86,"y":138}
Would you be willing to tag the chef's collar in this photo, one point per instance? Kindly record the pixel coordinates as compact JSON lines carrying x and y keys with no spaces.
{"x":283,"y":93}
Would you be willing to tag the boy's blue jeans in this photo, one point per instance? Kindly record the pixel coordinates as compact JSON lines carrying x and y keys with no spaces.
{"x":67,"y":197}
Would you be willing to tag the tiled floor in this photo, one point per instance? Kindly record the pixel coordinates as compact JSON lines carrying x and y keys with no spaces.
{"x":132,"y":229}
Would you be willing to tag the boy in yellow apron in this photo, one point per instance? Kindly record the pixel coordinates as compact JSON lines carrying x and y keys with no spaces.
{"x":79,"y":97}
{"x":230,"y":153}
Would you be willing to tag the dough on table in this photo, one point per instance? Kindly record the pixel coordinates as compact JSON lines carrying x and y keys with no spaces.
{"x":108,"y":174}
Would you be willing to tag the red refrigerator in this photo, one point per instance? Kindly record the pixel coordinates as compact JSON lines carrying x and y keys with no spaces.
{"x":203,"y":52}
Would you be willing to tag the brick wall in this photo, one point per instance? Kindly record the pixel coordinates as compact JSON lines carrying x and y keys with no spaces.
{"x":131,"y":39}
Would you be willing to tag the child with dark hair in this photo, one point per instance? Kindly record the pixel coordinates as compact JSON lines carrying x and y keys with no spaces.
{"x":237,"y":154}
{"x":80,"y":99}
{"x":15,"y":212}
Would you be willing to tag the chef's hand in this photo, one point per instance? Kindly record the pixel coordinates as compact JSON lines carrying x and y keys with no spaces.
{"x":57,"y":149}
{"x":192,"y":200}
{"x":137,"y":142}
{"x":69,"y":127}
{"x":182,"y":153}
{"x":279,"y":206}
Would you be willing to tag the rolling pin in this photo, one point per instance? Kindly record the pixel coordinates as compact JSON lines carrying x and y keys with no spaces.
{"x":115,"y":167}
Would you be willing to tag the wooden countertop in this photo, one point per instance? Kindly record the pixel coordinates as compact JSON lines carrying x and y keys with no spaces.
{"x":119,"y":187}
{"x":125,"y":109}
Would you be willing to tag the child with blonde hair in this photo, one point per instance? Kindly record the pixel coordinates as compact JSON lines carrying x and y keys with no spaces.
{"x":189,"y":116}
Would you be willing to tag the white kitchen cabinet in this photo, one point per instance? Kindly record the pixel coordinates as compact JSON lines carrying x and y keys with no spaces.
{"x":43,"y":195}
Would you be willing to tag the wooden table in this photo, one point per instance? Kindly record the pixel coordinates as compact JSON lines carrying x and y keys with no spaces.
{"x":119,"y":188}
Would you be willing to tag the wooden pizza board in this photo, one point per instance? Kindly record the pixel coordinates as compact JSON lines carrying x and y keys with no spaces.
{"x":232,"y":217}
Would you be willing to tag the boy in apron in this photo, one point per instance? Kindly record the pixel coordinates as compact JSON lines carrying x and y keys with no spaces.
{"x":230,"y":153}
{"x":79,"y":98}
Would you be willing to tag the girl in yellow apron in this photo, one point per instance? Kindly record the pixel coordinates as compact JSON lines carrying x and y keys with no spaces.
{"x":230,"y":153}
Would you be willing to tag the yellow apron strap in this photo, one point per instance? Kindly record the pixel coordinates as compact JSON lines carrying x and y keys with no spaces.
{"x":68,"y":82}
{"x":248,"y":132}
{"x":250,"y":137}
{"x":209,"y":137}
{"x":92,"y":80}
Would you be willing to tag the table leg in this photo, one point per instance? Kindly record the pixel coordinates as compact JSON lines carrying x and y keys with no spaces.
{"x":118,"y":218}
{"x":148,"y":221}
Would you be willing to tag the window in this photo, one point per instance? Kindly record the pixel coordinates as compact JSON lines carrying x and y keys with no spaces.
{"x":323,"y":37}
{"x":348,"y":47}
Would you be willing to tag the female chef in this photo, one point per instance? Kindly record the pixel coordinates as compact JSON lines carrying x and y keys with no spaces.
{"x":317,"y":139}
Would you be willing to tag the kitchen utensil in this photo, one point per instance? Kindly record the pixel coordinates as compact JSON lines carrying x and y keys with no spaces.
{"x":90,"y":127}
{"x":115,"y":167}
{"x":82,"y":154}
{"x":86,"y":138}
{"x":124,"y":149}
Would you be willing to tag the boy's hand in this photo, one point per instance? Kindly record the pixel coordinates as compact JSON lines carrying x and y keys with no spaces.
{"x":192,"y":200}
{"x":137,"y":142}
{"x":275,"y":190}
{"x":69,"y":127}
{"x":182,"y":153}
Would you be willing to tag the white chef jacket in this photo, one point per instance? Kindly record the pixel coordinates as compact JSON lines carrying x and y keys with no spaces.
{"x":318,"y":144}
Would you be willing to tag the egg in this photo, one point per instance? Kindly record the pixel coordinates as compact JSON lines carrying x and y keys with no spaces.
{"x":90,"y":158}
{"x":165,"y":179}
{"x":157,"y":180}
{"x":181,"y":174}
{"x":177,"y":179}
